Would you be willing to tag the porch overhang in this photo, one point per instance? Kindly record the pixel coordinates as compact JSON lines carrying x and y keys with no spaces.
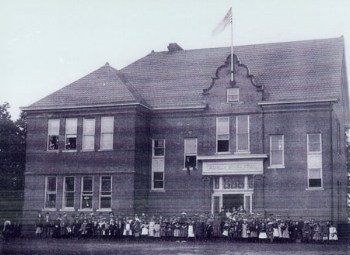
{"x":237,"y":164}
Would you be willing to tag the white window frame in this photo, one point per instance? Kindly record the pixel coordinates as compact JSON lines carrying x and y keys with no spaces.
{"x":232,"y":93}
{"x":47,"y":192}
{"x":188,"y":153}
{"x":106,"y":132}
{"x":51,"y":133}
{"x":68,"y":134}
{"x":82,"y":192}
{"x":65,"y":192}
{"x":271,"y":153}
{"x":237,"y":134}
{"x":158,"y":165}
{"x":228,"y":134}
{"x":100,"y":193}
{"x":85,"y":135}
{"x":313,"y":154}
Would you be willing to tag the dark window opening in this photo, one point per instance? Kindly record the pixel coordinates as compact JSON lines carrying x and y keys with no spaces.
{"x":223,"y":145}
{"x":53,"y":142}
{"x":158,"y":182}
{"x":191,"y":162}
{"x":314,"y":183}
{"x":71,"y":143}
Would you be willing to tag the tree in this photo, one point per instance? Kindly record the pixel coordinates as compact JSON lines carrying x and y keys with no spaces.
{"x":12,"y":150}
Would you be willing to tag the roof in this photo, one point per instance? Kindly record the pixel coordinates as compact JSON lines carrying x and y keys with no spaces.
{"x":287,"y":71}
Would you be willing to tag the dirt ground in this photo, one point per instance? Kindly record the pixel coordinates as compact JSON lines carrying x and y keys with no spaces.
{"x":96,"y":247}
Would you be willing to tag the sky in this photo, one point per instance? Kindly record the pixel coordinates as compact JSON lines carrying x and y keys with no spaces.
{"x":46,"y":45}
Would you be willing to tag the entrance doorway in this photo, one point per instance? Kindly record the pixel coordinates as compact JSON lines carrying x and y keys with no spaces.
{"x":232,"y":200}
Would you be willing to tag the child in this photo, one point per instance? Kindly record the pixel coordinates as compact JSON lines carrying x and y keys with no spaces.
{"x":157,"y":229}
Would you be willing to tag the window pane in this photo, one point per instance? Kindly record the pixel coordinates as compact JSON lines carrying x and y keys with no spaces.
{"x":223,"y":145}
{"x":223,"y":126}
{"x":107,"y":141}
{"x":53,"y":126}
{"x":105,"y":202}
{"x":190,"y":146}
{"x":158,"y":147}
{"x":158,"y":151}
{"x":107,"y":124}
{"x":50,"y":201}
{"x":233,"y":182}
{"x":232,"y":94}
{"x":71,"y":143}
{"x":191,"y":161}
{"x":276,"y":142}
{"x":69,"y":199}
{"x":69,"y":184}
{"x":242,"y":142}
{"x":88,"y":143}
{"x":314,"y":183}
{"x":89,"y":127}
{"x":242,"y":124}
{"x":87,"y":202}
{"x":250,"y":182}
{"x":158,"y":176}
{"x":314,"y":142}
{"x":314,"y":173}
{"x":106,"y":184}
{"x":216,"y":182}
{"x":53,"y":142}
{"x":51,"y":184}
{"x":71,"y":126}
{"x":87,"y":183}
{"x":276,"y":157}
{"x":159,"y":143}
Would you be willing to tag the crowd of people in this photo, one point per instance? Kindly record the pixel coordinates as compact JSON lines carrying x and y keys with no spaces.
{"x":234,"y":226}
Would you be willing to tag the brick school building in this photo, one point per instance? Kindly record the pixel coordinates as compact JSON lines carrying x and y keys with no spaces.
{"x":172,"y":132}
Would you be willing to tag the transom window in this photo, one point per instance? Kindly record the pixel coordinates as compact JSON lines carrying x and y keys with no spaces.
{"x":222,"y":134}
{"x":71,"y":134}
{"x":232,"y":95}
{"x":53,"y":134}
{"x":276,"y":151}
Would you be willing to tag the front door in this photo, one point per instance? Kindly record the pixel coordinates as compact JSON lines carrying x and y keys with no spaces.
{"x":230,"y":201}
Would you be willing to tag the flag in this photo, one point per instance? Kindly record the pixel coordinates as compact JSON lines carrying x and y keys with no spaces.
{"x":223,"y":24}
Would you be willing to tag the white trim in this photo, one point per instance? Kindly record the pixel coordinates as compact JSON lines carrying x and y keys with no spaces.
{"x":229,"y":94}
{"x":82,"y":191}
{"x":248,"y":129}
{"x":272,"y":166}
{"x":100,"y":194}
{"x":64,"y":193}
{"x":299,"y":101}
{"x":231,"y":156}
{"x":111,"y":133}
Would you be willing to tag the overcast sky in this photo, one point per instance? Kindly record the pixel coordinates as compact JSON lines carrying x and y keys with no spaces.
{"x":45,"y":45}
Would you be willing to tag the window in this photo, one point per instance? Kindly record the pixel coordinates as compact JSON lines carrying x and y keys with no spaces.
{"x":53,"y":134}
{"x":68,"y":192}
{"x":233,"y":182}
{"x":158,"y":148}
{"x":50,"y":192}
{"x":106,"y":192}
{"x":222,"y":134}
{"x":86,"y":192}
{"x":107,"y":129}
{"x":190,"y":153}
{"x":242,"y":133}
{"x":71,"y":134}
{"x":314,"y":160}
{"x":89,"y":134}
{"x":276,"y":151}
{"x":232,"y":95}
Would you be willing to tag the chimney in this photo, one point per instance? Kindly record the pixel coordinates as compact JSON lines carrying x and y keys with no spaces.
{"x":173,"y":47}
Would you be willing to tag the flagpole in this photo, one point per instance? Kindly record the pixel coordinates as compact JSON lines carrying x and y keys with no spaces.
{"x":231,"y":47}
